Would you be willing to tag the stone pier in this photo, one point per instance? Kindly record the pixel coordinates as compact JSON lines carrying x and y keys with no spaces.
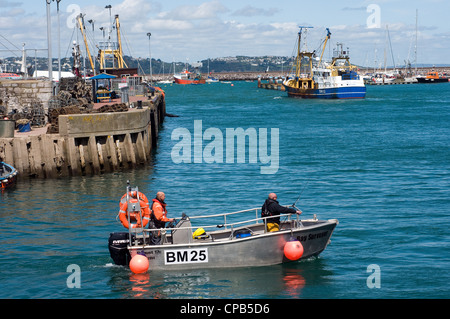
{"x":88,"y":144}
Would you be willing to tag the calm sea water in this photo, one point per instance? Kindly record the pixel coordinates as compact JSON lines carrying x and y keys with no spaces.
{"x":381,"y":166}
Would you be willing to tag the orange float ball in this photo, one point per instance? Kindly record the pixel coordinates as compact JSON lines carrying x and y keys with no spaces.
{"x":293,"y":250}
{"x":139,"y":264}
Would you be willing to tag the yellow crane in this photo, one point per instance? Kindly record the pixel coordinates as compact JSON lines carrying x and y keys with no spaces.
{"x":325,"y":44}
{"x":116,"y":53}
{"x":82,"y":28}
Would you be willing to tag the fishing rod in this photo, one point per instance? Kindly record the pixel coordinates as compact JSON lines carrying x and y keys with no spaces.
{"x":293,"y":205}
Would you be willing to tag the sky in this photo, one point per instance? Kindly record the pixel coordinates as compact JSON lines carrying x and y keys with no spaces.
{"x":196,"y":30}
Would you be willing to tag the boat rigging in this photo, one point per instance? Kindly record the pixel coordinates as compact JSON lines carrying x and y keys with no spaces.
{"x":110,"y":53}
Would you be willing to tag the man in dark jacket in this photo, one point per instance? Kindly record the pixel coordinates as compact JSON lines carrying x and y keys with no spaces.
{"x":273,"y":209}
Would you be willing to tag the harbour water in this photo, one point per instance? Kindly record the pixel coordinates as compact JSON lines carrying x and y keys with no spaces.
{"x":379,"y":165}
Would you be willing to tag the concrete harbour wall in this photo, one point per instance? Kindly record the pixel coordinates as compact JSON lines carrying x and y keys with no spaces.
{"x":88,"y":144}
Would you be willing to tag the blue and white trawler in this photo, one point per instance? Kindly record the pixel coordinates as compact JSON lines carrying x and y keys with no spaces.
{"x":311,"y":77}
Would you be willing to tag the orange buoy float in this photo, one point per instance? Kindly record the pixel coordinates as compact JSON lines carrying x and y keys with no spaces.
{"x":139,"y":263}
{"x":142,"y":210}
{"x":293,"y":249}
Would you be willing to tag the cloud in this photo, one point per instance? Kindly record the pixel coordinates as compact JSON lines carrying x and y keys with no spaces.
{"x":209,"y":29}
{"x":354,"y":9}
{"x":250,"y":11}
{"x":206,"y":10}
{"x":15,"y":12}
{"x":9,"y":4}
{"x":129,"y":11}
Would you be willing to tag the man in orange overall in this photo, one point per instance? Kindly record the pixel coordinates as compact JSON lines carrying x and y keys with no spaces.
{"x":158,"y":216}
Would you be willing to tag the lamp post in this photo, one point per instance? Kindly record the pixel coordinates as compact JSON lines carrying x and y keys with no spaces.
{"x":103,"y":31}
{"x":110,"y":31}
{"x":59,"y":42}
{"x":150,"y":56}
{"x":93,"y":31}
{"x":110,"y":22}
{"x":49,"y":44}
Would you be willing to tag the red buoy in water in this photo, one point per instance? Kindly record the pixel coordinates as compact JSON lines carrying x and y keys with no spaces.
{"x":139,"y":264}
{"x":293,"y":249}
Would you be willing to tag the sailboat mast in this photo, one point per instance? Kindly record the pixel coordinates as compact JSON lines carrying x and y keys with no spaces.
{"x":385,"y":59}
{"x":415,"y":47}
{"x":390,"y":46}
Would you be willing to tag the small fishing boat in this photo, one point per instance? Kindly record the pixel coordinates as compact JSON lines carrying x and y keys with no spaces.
{"x":165,"y":82}
{"x":236,"y":239}
{"x":9,"y":76}
{"x":212,"y":79}
{"x":8,"y":175}
{"x":314,"y":78}
{"x":432,"y":77}
{"x":187,"y":77}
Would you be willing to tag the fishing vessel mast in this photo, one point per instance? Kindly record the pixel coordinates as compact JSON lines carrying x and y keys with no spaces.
{"x":304,"y":68}
{"x":114,"y":50}
{"x":80,"y":20}
{"x":301,"y":55}
{"x":324,"y":45}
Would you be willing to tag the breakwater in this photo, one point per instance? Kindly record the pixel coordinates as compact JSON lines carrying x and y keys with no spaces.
{"x":231,"y":76}
{"x":395,"y":82}
{"x":272,"y":84}
{"x":88,"y":144}
{"x":254,"y":76}
{"x":247,"y":76}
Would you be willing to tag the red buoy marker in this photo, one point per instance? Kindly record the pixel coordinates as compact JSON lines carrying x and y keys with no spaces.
{"x":293,"y":249}
{"x":139,"y":264}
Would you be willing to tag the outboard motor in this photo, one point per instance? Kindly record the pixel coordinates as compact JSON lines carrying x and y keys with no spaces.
{"x":117,"y":244}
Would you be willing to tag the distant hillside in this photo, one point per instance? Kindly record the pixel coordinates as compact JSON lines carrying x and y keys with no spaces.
{"x":216,"y":65}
